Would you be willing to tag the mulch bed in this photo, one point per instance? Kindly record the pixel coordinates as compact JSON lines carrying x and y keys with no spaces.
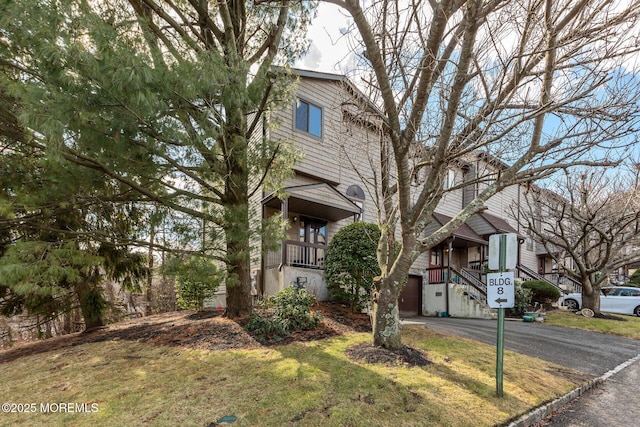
{"x":407,"y":356}
{"x":209,"y":330}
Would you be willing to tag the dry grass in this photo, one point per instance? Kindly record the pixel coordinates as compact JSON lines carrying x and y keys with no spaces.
{"x":306,"y":384}
{"x":628,"y":327}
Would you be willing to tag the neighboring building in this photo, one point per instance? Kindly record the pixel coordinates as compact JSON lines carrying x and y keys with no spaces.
{"x":332,"y":188}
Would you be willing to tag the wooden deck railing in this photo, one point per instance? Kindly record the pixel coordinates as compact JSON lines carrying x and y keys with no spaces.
{"x":297,"y":254}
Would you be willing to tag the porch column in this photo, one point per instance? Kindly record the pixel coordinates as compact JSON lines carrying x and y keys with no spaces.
{"x":284,"y":209}
{"x":446,"y":285}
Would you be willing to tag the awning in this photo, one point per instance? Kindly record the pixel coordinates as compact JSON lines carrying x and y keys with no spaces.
{"x":464,"y":235}
{"x":485,"y":224}
{"x":318,"y":200}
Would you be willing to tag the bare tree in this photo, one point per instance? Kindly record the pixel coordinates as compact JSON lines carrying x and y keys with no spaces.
{"x":590,"y":231}
{"x":533,"y":84}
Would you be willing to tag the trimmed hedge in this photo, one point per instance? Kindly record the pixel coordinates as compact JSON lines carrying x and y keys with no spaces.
{"x":542,"y":292}
{"x":351,"y":264}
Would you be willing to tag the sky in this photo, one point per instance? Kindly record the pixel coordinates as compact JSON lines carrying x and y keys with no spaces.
{"x":329,"y":52}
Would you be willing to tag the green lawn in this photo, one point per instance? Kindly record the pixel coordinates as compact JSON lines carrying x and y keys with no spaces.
{"x":306,"y":384}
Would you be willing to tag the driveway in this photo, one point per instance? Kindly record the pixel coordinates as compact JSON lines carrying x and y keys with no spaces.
{"x":589,"y":352}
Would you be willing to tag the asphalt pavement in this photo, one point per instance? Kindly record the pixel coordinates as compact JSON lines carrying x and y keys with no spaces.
{"x":610,"y":399}
{"x":614,"y":402}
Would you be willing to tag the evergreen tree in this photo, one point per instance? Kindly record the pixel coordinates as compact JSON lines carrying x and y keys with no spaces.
{"x":164,"y":98}
{"x":62,"y":233}
{"x":351,"y":264}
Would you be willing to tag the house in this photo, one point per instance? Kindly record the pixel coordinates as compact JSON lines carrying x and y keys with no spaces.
{"x":332,"y":188}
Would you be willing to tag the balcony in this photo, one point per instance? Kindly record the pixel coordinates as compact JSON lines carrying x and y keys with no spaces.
{"x":297,"y":254}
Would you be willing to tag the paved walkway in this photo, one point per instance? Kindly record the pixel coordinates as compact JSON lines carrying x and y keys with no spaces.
{"x":614,"y":402}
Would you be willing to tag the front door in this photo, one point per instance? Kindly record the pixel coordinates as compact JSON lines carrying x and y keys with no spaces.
{"x":313,"y":234}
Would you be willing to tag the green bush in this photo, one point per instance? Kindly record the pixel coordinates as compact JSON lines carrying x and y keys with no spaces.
{"x":288,"y":310}
{"x":523,"y":297}
{"x":294,"y":305}
{"x":351,"y":264}
{"x":197,"y":279}
{"x":266,"y":328}
{"x":634,"y":279}
{"x":542,"y":292}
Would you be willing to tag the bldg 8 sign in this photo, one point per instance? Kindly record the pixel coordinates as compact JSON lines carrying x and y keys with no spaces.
{"x":501,"y":290}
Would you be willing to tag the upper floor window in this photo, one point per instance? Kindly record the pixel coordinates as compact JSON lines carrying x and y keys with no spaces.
{"x":308,"y":118}
{"x":529,"y":243}
{"x":449,"y":179}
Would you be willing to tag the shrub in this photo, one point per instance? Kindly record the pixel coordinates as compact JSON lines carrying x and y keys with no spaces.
{"x":288,"y":310}
{"x":523,"y":297}
{"x":294,"y":305}
{"x":542,"y":292}
{"x":266,"y":328}
{"x":196,"y":280}
{"x":351,"y":264}
{"x":634,"y":279}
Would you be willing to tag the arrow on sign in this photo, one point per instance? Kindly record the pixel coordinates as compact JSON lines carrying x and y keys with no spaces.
{"x":501,"y":300}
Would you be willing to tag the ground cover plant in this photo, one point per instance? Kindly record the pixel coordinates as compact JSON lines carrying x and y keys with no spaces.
{"x":191,"y":368}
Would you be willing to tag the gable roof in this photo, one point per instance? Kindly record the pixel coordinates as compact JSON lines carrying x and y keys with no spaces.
{"x":340,"y":78}
{"x":485,"y":224}
{"x":319,"y":200}
{"x":464,"y":232}
{"x":500,"y":224}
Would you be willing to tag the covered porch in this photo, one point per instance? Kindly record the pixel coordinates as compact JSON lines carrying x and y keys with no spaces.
{"x":314,"y":212}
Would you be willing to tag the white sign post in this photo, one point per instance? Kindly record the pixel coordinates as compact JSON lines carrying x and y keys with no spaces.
{"x":507,"y":244}
{"x":503,"y":256}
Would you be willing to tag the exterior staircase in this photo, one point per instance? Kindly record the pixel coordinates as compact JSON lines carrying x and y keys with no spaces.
{"x":563,"y":284}
{"x":468,"y":292}
{"x":470,"y":295}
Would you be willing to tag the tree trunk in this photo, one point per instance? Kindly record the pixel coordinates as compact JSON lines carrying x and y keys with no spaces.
{"x":591,"y":294}
{"x":238,"y":281}
{"x":92,"y":304}
{"x":239,"y":291}
{"x":386,"y":315}
{"x":149,"y":293}
{"x":591,"y":298}
{"x":238,"y":235}
{"x":236,"y":193}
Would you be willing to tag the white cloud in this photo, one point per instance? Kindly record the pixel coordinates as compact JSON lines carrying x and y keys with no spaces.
{"x":330,"y":50}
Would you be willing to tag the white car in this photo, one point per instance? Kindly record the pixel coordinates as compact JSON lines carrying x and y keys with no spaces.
{"x":613,"y":299}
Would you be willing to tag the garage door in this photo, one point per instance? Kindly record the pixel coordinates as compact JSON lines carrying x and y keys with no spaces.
{"x":410,"y":301}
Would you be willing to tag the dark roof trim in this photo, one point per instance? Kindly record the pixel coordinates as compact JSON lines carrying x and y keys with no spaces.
{"x":501,"y":225}
{"x":464,"y":231}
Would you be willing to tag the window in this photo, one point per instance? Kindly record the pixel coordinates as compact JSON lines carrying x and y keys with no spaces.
{"x":308,"y":118}
{"x":449,"y":179}
{"x":529,"y":241}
